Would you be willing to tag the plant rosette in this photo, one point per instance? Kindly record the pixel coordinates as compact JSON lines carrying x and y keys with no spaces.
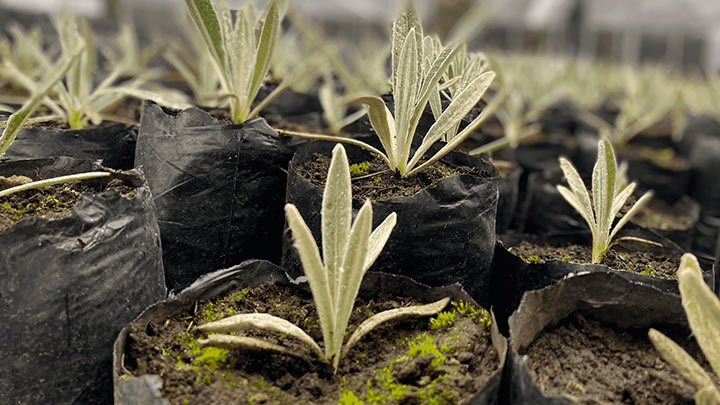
{"x":448,"y":214}
{"x":79,"y":261}
{"x":586,"y":340}
{"x":218,"y":189}
{"x":452,"y":357}
{"x":661,"y":170}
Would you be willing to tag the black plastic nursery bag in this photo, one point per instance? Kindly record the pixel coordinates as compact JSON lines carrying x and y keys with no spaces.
{"x":219,"y":189}
{"x":445,"y":233}
{"x":68,"y":286}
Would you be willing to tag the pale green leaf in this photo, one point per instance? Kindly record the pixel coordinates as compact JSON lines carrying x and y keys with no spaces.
{"x":351,"y":274}
{"x":577,"y":186}
{"x":406,"y":85}
{"x":702,"y":308}
{"x":336,"y":215}
{"x":584,"y":210}
{"x":405,"y":22}
{"x":639,"y":205}
{"x":315,"y":272}
{"x":391,"y":315}
{"x":621,"y":197}
{"x":206,"y":20}
{"x":268,"y":38}
{"x":680,"y":361}
{"x":52,"y":181}
{"x":258,"y":321}
{"x":378,"y":238}
{"x":247,"y":343}
{"x":603,"y":184}
{"x":383,"y":123}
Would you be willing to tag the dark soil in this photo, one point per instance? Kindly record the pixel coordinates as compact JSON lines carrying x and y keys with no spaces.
{"x":535,"y":250}
{"x":592,"y":363}
{"x":372,"y":179}
{"x":53,"y":202}
{"x":447,"y":364}
{"x":660,"y":215}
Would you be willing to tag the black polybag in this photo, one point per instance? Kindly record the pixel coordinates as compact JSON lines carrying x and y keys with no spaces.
{"x":445,"y":233}
{"x":146,"y":389}
{"x":68,"y":286}
{"x":606,"y":297}
{"x":509,"y":196}
{"x":512,"y":277}
{"x":219,"y":189}
{"x":113,"y":144}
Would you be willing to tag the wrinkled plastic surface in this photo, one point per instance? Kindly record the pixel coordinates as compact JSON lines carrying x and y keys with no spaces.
{"x":445,"y":233}
{"x":509,"y":194}
{"x":607,"y":297}
{"x":253,"y":273}
{"x":219,"y":189}
{"x":512,"y":277}
{"x":68,"y":286}
{"x":113,"y":145}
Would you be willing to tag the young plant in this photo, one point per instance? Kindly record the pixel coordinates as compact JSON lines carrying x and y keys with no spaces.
{"x":76,"y":101}
{"x":17,"y":119}
{"x":22,"y":52}
{"x":412,"y":83}
{"x":334,"y":108}
{"x":241,"y":51}
{"x":702,"y":308}
{"x":607,"y":199}
{"x":349,"y":249}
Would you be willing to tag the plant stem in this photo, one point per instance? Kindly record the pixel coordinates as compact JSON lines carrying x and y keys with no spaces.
{"x":53,"y":181}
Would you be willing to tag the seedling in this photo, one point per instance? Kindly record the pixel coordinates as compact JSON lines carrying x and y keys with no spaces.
{"x":702,"y":308}
{"x":606,"y":202}
{"x":241,"y":52}
{"x":75,"y":100}
{"x":17,"y":119}
{"x":412,"y":83}
{"x":349,"y":249}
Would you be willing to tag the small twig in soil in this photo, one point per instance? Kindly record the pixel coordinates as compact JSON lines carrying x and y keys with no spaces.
{"x":365,"y":176}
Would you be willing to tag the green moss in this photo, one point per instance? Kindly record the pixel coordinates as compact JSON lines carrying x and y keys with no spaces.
{"x":210,"y":357}
{"x":359,"y":169}
{"x":204,"y":379}
{"x":239,"y":295}
{"x":466,"y":309}
{"x":444,"y":319}
{"x":566,"y":259}
{"x":210,"y":312}
{"x":434,"y":394}
{"x":423,"y":345}
{"x":348,"y":398}
{"x":531,"y":259}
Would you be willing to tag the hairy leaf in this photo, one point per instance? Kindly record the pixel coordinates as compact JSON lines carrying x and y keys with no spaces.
{"x":247,"y":343}
{"x":336,"y":215}
{"x":680,"y":361}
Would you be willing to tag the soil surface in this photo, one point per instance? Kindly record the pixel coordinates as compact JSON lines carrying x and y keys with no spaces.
{"x":372,"y":179}
{"x":53,"y":202}
{"x":592,"y":363}
{"x":407,"y":361}
{"x":665,"y":158}
{"x":533,"y":249}
{"x":660,"y":215}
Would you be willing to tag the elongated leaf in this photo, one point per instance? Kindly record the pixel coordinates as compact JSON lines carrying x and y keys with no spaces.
{"x":336,"y":215}
{"x":17,"y":119}
{"x":707,"y":396}
{"x":578,"y":188}
{"x":315,"y":272}
{"x":702,"y":308}
{"x":453,"y":114}
{"x":405,"y":22}
{"x":378,"y":238}
{"x":583,"y":210}
{"x":351,"y":274}
{"x":432,"y":77}
{"x":391,"y":315}
{"x":603,"y":185}
{"x":206,"y":20}
{"x":383,"y":123}
{"x":680,"y":361}
{"x":248,"y":343}
{"x":620,"y":199}
{"x":404,"y":96}
{"x":257,"y":321}
{"x":268,"y":39}
{"x":52,"y":181}
{"x":639,"y":205}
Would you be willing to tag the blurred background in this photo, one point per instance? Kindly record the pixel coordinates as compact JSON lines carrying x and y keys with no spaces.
{"x":682,"y":34}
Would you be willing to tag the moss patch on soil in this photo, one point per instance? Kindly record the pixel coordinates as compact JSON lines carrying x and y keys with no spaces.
{"x":378,"y":183}
{"x":592,"y":363}
{"x":533,"y":249}
{"x":53,"y":202}
{"x":402,"y":362}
